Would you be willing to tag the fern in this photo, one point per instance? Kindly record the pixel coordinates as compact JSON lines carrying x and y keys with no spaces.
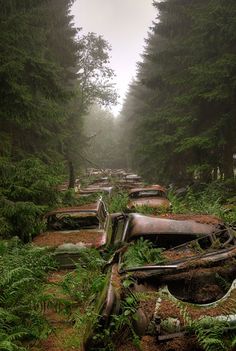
{"x":208,"y":330}
{"x":141,"y":252}
{"x":118,"y":202}
{"x":21,"y":296}
{"x":209,"y":334}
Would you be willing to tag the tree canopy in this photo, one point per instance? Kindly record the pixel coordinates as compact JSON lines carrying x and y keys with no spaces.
{"x":50,"y":74}
{"x":179,"y":116}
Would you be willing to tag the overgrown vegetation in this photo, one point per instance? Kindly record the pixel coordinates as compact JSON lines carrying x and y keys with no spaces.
{"x":108,"y":338}
{"x":28,"y":188}
{"x":148,"y":210}
{"x":84,"y":285}
{"x":23,"y":270}
{"x":210,"y":199}
{"x":141,"y":252}
{"x":118,"y":202}
{"x":212,"y":334}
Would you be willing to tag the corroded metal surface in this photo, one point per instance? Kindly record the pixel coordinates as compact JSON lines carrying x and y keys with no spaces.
{"x":145,"y":225}
{"x":151,"y":196}
{"x":151,"y":187}
{"x":88,"y":207}
{"x":154,"y":202}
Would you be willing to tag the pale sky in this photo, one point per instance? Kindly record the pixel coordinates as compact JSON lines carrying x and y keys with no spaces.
{"x":124,"y":24}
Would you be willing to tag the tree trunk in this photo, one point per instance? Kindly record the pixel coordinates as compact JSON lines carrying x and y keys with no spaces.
{"x":228,"y":161}
{"x":71,"y":175}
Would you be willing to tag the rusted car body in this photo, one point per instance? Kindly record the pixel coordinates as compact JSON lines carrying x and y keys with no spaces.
{"x":152,"y":196}
{"x":72,"y":228}
{"x":132,"y":178}
{"x":167,"y":319}
{"x":129,"y":181}
{"x":91,"y":190}
{"x":124,"y":185}
{"x":166,"y":232}
{"x":195,"y":255}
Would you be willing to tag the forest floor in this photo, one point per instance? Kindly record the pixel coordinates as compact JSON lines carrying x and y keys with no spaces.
{"x":61,"y":326}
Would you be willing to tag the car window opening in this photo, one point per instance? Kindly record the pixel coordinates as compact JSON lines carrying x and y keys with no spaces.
{"x":147,"y":193}
{"x":165,"y":241}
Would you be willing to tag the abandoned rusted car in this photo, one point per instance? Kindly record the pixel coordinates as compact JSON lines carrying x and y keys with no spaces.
{"x":166,"y":232}
{"x":130,"y":177}
{"x":93,"y":190}
{"x":72,"y":228}
{"x":153,"y":196}
{"x":163,"y":263}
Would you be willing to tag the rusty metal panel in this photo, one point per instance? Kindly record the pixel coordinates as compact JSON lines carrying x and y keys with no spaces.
{"x":144,"y":225}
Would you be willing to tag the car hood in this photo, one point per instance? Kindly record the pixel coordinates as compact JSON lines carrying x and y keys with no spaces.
{"x":84,"y":238}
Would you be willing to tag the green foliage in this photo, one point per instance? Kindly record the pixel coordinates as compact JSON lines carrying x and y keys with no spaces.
{"x":177,"y":203}
{"x":118,"y":202}
{"x":209,"y":334}
{"x":178,"y":120}
{"x":121,"y":324}
{"x":87,"y":280}
{"x":210,"y":331}
{"x":27,"y":190}
{"x":23,"y":270}
{"x":94,"y":74}
{"x":210,"y":199}
{"x":140,"y":253}
{"x":84,"y":285}
{"x":147,"y":210}
{"x":70,"y":198}
{"x":36,"y":75}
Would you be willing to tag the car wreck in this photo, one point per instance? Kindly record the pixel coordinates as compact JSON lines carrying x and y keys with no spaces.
{"x":93,"y":190}
{"x":152,"y":196}
{"x":73,"y":228}
{"x":177,"y":263}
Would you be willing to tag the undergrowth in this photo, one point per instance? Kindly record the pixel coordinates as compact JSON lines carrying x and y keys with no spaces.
{"x":211,"y":200}
{"x":141,"y":252}
{"x":23,"y":270}
{"x":84,"y":285}
{"x":27,"y":191}
{"x":147,"y":210}
{"x":108,"y":338}
{"x":118,"y":202}
{"x":212,"y":334}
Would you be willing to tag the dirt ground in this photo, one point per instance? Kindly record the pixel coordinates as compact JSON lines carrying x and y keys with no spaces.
{"x":54,"y":239}
{"x":149,"y":343}
{"x":61,"y":326}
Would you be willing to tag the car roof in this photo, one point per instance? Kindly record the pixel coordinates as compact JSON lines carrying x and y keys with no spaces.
{"x":151,"y":187}
{"x":147,"y":225}
{"x":93,"y":207}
